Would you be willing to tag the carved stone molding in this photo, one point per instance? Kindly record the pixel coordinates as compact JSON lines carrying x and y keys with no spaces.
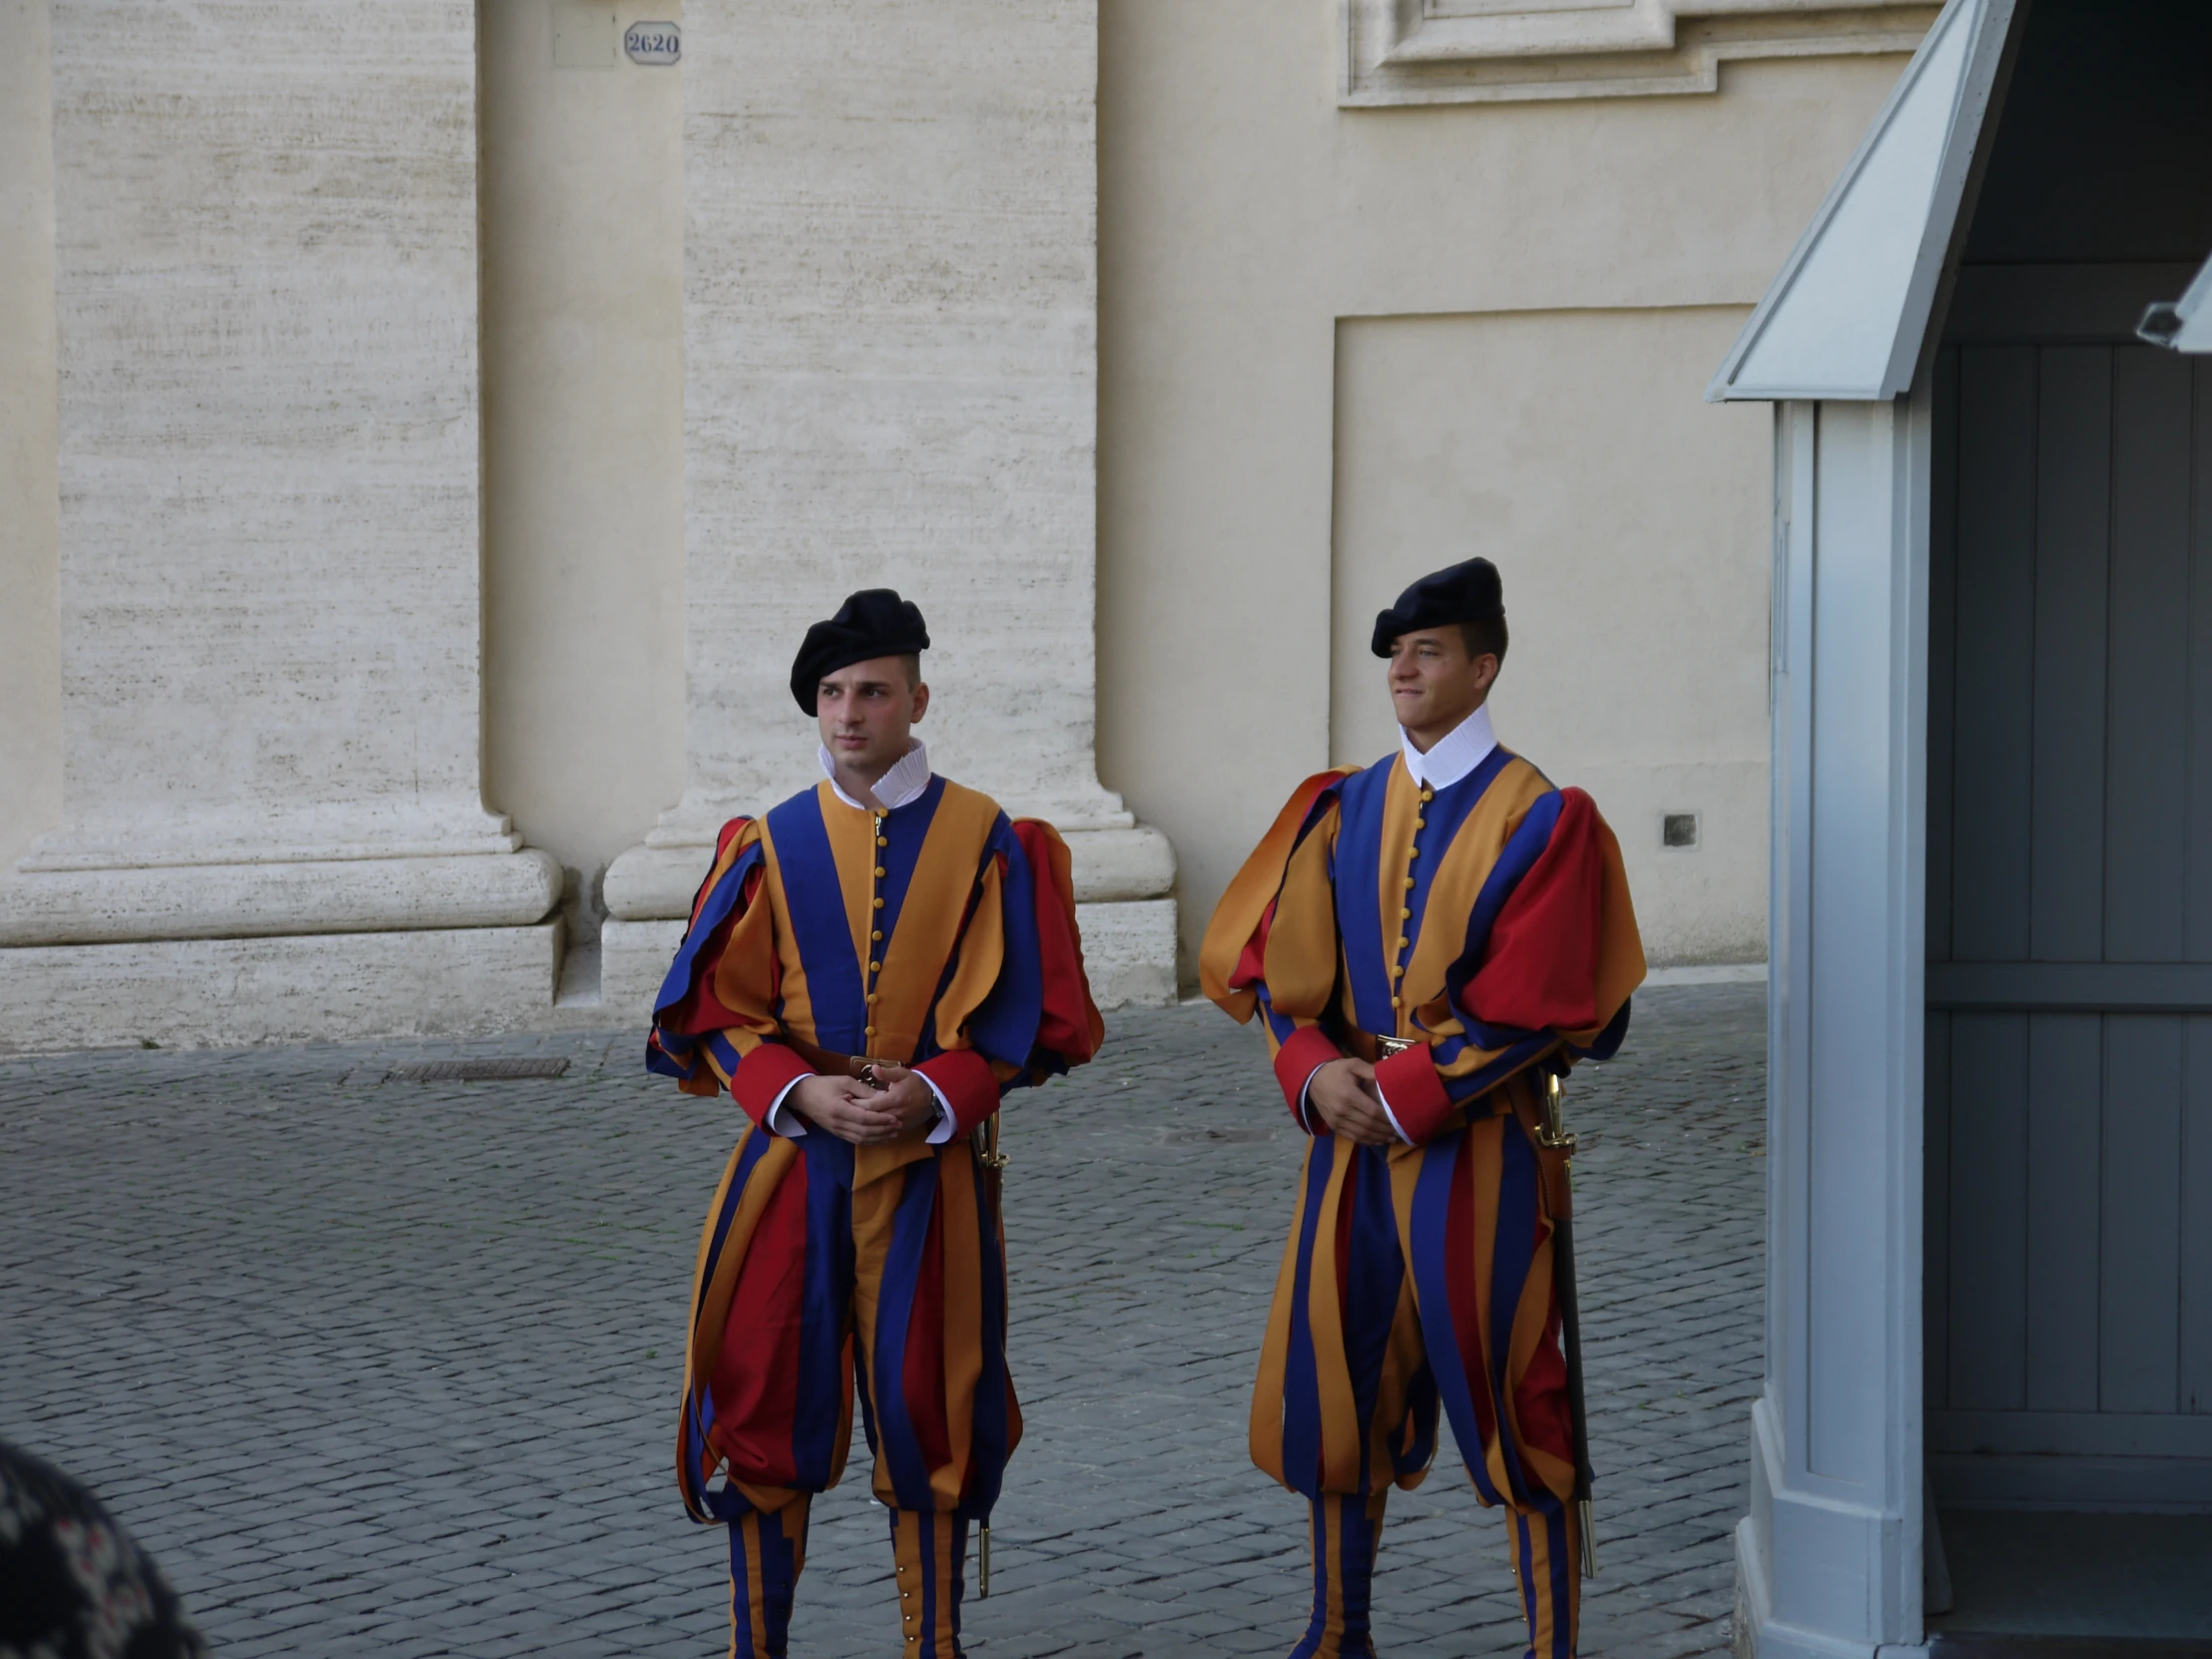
{"x":1398,"y":52}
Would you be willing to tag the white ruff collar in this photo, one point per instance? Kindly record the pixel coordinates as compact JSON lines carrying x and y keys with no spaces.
{"x":1453,"y":755}
{"x":907,"y":778}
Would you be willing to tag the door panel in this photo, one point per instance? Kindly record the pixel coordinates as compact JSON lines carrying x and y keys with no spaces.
{"x":2066,"y":1075}
{"x":2197,"y":1221}
{"x":2139,"y":1331}
{"x":2072,"y":513}
{"x":1989,"y":1212}
{"x":2069,"y":1038}
{"x":1994,"y":653}
{"x":2146,"y":798}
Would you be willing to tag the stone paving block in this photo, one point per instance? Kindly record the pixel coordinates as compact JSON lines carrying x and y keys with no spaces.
{"x":382,"y":1366}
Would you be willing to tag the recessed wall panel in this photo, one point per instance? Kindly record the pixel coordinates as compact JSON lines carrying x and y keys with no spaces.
{"x":1632,"y":524}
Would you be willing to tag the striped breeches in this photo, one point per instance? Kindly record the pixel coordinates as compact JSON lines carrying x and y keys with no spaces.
{"x":824,"y":1266}
{"x":1414,"y":1278}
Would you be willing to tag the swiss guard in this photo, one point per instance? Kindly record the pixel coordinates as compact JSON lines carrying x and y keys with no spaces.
{"x":1429,"y":943}
{"x":869,"y":968}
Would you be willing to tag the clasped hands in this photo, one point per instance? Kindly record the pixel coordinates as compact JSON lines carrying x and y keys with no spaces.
{"x":1344,"y":1094}
{"x":865,"y":1114}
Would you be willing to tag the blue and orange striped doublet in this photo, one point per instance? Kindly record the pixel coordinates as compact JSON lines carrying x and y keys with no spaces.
{"x":941,"y":936}
{"x":1487,"y":922}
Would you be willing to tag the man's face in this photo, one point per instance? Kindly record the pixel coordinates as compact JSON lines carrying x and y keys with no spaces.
{"x":867,"y":711}
{"x":1434,"y":683}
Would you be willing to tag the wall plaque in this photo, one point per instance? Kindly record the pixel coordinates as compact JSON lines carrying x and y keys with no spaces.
{"x":653,"y":44}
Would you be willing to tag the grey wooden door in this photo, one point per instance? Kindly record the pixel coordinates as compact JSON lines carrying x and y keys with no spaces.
{"x":2069,"y":913}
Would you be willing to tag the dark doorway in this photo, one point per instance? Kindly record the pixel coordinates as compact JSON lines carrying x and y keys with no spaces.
{"x":2069,"y":1288}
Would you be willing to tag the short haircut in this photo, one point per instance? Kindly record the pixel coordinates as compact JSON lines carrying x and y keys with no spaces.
{"x":910,"y":661}
{"x":1485,"y":638}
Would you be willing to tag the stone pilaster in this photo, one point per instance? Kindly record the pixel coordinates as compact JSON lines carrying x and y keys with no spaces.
{"x":267,"y":279}
{"x":891,"y":337}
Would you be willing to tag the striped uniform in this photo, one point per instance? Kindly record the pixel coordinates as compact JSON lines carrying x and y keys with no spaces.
{"x":938,"y":934}
{"x":1488,"y":921}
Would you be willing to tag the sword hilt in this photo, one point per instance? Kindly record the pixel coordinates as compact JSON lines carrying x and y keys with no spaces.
{"x":987,"y":1154}
{"x":1551,"y":1126}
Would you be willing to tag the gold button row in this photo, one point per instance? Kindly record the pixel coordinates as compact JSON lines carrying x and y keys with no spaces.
{"x":875,"y":901}
{"x":1398,"y":970}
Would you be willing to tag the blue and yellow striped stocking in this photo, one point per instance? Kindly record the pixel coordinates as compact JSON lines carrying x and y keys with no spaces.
{"x":768,"y":1549}
{"x":1547,"y":1561}
{"x":1346,"y":1531}
{"x":931,"y":1552}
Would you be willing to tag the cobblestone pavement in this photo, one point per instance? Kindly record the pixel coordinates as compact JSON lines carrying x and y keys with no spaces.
{"x":375,"y":1365}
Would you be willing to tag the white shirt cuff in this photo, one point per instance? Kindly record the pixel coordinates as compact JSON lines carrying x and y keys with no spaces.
{"x":1305,"y":1117}
{"x":1397,"y":1128}
{"x":780,"y":1122}
{"x":793,"y":1128}
{"x":947,"y":1124}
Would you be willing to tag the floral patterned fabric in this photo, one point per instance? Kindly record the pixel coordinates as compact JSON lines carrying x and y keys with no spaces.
{"x":72,"y":1583}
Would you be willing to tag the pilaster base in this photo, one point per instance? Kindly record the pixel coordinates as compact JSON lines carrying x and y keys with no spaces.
{"x":217,"y":994}
{"x":1129,"y":952}
{"x":277,"y":897}
{"x":634,"y":958}
{"x":1809,"y":1568}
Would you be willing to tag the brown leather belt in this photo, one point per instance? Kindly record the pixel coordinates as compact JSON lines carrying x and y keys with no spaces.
{"x":828,"y":1064}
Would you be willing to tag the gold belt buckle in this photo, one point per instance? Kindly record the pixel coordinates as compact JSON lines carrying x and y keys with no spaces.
{"x":1385,"y":1048}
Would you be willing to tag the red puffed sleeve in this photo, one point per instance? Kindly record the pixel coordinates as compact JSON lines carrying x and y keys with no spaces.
{"x":1565,"y":952}
{"x":1069,"y":1025}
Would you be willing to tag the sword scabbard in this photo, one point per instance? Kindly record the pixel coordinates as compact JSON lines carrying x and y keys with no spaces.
{"x":993,"y":1164}
{"x":1552,"y":1136}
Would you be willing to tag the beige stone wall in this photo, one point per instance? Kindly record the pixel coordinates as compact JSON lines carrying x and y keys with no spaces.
{"x":583,"y":241}
{"x":582,"y":354}
{"x":890,"y":380}
{"x":1334,"y":347}
{"x":890,"y":354}
{"x":1277,"y":446}
{"x":267,"y":284}
{"x":1632,"y":520}
{"x":268,"y":550}
{"x":29,"y":643}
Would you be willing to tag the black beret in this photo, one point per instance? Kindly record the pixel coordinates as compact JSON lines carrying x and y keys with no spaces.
{"x":875,"y":622}
{"x":1467,"y":592}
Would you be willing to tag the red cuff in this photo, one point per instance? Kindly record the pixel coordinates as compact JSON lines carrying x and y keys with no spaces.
{"x":1415,"y":1093}
{"x":1302,"y":1052}
{"x":968,"y":1085}
{"x":762,"y":1075}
